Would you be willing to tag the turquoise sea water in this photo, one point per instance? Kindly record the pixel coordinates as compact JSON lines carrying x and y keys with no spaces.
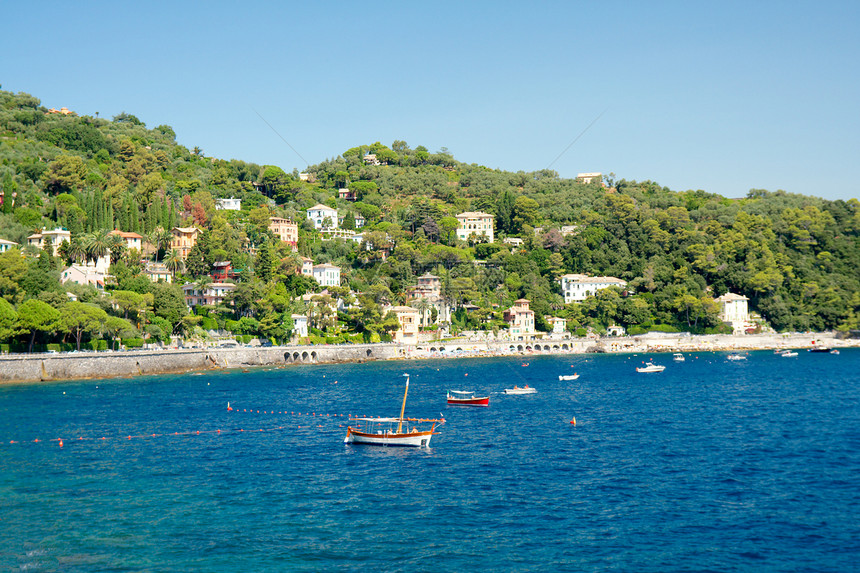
{"x":711,"y":465}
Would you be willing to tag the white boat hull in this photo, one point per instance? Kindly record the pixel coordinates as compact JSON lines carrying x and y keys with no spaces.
{"x":409,"y":440}
{"x":648,"y":369}
{"x":520,"y":391}
{"x":568,"y":377}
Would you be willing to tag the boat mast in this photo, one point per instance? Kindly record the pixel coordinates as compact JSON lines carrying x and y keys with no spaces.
{"x":403,"y":408}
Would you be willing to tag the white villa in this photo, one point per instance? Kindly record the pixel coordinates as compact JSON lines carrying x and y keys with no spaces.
{"x":133,"y":241}
{"x":300,"y":325}
{"x":475,"y":223}
{"x":576,"y":287}
{"x":53,"y":238}
{"x":83,"y":275}
{"x":326,"y":275}
{"x":589,"y":177}
{"x":323,"y":216}
{"x":734,"y":309}
{"x":157,"y":272}
{"x":210,"y":295}
{"x":307,"y":267}
{"x":6,"y":245}
{"x":231,"y":204}
{"x":559,"y":325}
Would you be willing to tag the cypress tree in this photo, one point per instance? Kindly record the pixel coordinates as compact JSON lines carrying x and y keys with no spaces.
{"x":171,"y":216}
{"x":165,"y":213}
{"x":134,"y":217}
{"x":149,"y":223}
{"x":156,"y":211}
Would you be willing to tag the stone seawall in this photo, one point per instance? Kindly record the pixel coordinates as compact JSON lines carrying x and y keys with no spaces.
{"x":72,"y":366}
{"x":45,"y":367}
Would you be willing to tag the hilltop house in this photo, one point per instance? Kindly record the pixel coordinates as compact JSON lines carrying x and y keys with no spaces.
{"x":589,"y":177}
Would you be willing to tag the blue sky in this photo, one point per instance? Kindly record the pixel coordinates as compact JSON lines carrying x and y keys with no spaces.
{"x":720,"y":96}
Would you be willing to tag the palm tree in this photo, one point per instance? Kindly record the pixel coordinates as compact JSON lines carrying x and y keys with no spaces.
{"x":160,"y":239}
{"x":117,"y":247}
{"x":174,"y":263}
{"x":422,"y":305}
{"x":97,"y":244}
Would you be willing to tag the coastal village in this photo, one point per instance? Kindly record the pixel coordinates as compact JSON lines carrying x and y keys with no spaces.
{"x":427,"y":310}
{"x":132,"y":241}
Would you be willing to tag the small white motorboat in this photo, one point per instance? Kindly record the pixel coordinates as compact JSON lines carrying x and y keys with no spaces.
{"x":573,"y":376}
{"x":650,"y":367}
{"x":678,"y":357}
{"x":735,"y":356}
{"x":789,"y":354}
{"x":517,"y":390}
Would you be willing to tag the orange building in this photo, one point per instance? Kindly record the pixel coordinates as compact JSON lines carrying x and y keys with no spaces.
{"x":285,"y":229}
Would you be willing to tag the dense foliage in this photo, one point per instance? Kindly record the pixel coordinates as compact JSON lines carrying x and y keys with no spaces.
{"x":794,"y":256}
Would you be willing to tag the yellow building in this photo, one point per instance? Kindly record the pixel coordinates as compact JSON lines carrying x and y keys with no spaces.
{"x":183,"y":239}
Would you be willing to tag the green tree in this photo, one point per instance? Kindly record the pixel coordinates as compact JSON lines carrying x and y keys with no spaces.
{"x":8,"y":320}
{"x":36,"y":316}
{"x":66,"y":173}
{"x":79,"y":318}
{"x":174,"y":263}
{"x":13,"y":268}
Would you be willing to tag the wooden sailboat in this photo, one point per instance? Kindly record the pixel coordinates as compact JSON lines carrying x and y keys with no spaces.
{"x":390,"y":431}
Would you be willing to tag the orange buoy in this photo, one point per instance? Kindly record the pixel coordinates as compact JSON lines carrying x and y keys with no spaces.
{"x":61,"y":442}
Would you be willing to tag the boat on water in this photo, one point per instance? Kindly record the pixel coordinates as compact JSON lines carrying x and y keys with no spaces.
{"x":390,"y":431}
{"x":650,"y":367}
{"x":789,"y":354}
{"x":834,"y":351}
{"x":573,"y":376}
{"x":517,"y":390}
{"x":736,"y":356}
{"x":820,"y":349}
{"x":678,"y":357}
{"x":466,"y":398}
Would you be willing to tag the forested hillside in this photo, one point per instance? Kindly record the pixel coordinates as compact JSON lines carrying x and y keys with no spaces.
{"x":797,"y":258}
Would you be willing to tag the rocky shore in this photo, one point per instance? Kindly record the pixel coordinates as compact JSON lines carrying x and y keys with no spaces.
{"x":17,"y":368}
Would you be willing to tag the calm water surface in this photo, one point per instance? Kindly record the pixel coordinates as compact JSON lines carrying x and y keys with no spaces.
{"x":710,"y":465}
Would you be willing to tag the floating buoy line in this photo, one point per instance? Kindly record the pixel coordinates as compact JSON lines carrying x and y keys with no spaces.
{"x":315,"y":418}
{"x":313,"y":423}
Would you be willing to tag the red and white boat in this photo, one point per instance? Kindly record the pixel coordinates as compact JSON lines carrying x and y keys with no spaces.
{"x":466,"y":398}
{"x":390,"y":431}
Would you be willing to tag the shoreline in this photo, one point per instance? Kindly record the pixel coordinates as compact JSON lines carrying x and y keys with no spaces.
{"x":35,"y":368}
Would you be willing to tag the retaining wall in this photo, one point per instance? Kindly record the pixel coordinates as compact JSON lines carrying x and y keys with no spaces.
{"x":44,"y":367}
